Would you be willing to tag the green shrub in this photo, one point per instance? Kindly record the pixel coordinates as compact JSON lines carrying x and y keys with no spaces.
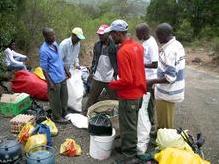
{"x":184,"y":32}
{"x":215,"y":46}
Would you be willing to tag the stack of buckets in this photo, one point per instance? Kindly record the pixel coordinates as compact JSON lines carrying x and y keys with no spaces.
{"x":101,"y":146}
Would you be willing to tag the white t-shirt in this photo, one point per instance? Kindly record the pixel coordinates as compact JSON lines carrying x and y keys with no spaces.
{"x":104,"y":71}
{"x":9,"y":57}
{"x":150,"y":55}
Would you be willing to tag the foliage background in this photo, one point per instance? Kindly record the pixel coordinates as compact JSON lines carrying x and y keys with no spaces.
{"x":23,"y":19}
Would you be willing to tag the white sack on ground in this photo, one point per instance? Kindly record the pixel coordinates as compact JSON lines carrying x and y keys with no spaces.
{"x":78,"y":120}
{"x":75,"y":90}
{"x":144,"y":126}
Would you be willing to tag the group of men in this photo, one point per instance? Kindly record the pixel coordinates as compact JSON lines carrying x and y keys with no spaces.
{"x":127,"y":70}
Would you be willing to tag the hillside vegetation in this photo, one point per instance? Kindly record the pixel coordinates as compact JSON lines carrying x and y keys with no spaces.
{"x":193,"y":20}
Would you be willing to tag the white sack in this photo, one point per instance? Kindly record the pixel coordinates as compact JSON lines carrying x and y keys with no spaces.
{"x":75,"y":90}
{"x":144,"y":126}
{"x":78,"y":120}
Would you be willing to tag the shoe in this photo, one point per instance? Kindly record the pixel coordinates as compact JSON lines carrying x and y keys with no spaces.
{"x":118,"y":149}
{"x":65,"y":114}
{"x":61,"y":121}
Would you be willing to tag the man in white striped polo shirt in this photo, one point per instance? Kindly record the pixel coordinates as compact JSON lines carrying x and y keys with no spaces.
{"x":170,"y":84}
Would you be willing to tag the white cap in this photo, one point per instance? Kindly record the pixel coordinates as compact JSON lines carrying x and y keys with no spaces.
{"x":117,"y":25}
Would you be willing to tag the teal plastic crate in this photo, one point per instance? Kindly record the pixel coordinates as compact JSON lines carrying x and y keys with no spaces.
{"x":15,"y":108}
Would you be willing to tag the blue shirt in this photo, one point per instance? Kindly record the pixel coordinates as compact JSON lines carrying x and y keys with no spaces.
{"x":51,"y":62}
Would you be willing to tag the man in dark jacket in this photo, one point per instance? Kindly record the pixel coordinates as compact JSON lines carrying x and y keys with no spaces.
{"x":104,"y":67}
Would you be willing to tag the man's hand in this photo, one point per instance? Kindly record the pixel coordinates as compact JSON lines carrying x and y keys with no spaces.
{"x":150,"y":83}
{"x":90,"y":77}
{"x":68,"y":74}
{"x":78,"y":67}
{"x":51,"y":86}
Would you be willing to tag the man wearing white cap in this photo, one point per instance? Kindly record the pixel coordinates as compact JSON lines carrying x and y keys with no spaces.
{"x":70,"y":48}
{"x":104,"y":67}
{"x":130,"y":86}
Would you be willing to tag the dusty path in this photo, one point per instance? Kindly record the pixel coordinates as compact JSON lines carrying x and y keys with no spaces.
{"x":199,"y":112}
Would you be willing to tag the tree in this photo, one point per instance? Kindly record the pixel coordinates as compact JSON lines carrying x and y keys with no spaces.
{"x":199,"y":13}
{"x":7,"y":29}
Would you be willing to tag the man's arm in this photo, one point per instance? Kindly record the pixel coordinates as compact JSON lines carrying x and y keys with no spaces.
{"x":51,"y":85}
{"x":125,"y":79}
{"x":19,"y":55}
{"x":10,"y":55}
{"x":153,"y":53}
{"x":77,"y":63}
{"x":67,"y":72}
{"x":152,"y":65}
{"x":170,"y":73}
{"x":44,"y":65}
{"x":94,"y":60}
{"x":157,"y":81}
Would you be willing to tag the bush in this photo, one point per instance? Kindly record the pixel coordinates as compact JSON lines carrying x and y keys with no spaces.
{"x":215,"y":46}
{"x":184,"y":32}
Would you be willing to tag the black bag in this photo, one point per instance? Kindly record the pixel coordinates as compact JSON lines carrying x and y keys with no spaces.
{"x":100,"y":125}
{"x":38,"y":111}
{"x":194,"y":144}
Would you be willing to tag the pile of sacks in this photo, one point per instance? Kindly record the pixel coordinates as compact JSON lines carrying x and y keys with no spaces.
{"x":41,"y":135}
{"x":34,"y":83}
{"x":177,"y":146}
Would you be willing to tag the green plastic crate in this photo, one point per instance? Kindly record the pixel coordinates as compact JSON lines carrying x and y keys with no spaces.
{"x":13,"y":109}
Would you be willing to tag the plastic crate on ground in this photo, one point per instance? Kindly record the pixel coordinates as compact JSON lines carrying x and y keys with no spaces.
{"x":14,"y":104}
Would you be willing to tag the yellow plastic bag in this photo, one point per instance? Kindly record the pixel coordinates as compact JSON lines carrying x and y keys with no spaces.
{"x":70,"y":148}
{"x":34,"y":141}
{"x":52,"y":126}
{"x":177,"y":156}
{"x":170,"y":138}
{"x":39,"y":72}
{"x":25,"y":133}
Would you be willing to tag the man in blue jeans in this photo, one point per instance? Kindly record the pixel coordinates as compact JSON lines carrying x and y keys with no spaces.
{"x":53,"y":69}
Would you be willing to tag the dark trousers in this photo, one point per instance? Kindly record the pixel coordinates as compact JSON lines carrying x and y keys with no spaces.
{"x":58,"y":99}
{"x":150,"y":109}
{"x":96,"y":89}
{"x":128,"y":121}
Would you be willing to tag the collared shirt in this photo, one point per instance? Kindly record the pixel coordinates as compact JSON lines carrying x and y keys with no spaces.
{"x":104,"y":72}
{"x":150,"y":55}
{"x":10,"y":57}
{"x":131,"y":83}
{"x":171,"y":65}
{"x":51,"y":62}
{"x":69,"y":53}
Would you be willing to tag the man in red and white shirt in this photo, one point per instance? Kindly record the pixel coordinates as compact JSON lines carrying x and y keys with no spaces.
{"x":130,"y":86}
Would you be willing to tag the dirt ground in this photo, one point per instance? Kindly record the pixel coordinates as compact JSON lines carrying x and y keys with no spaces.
{"x":198,"y":113}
